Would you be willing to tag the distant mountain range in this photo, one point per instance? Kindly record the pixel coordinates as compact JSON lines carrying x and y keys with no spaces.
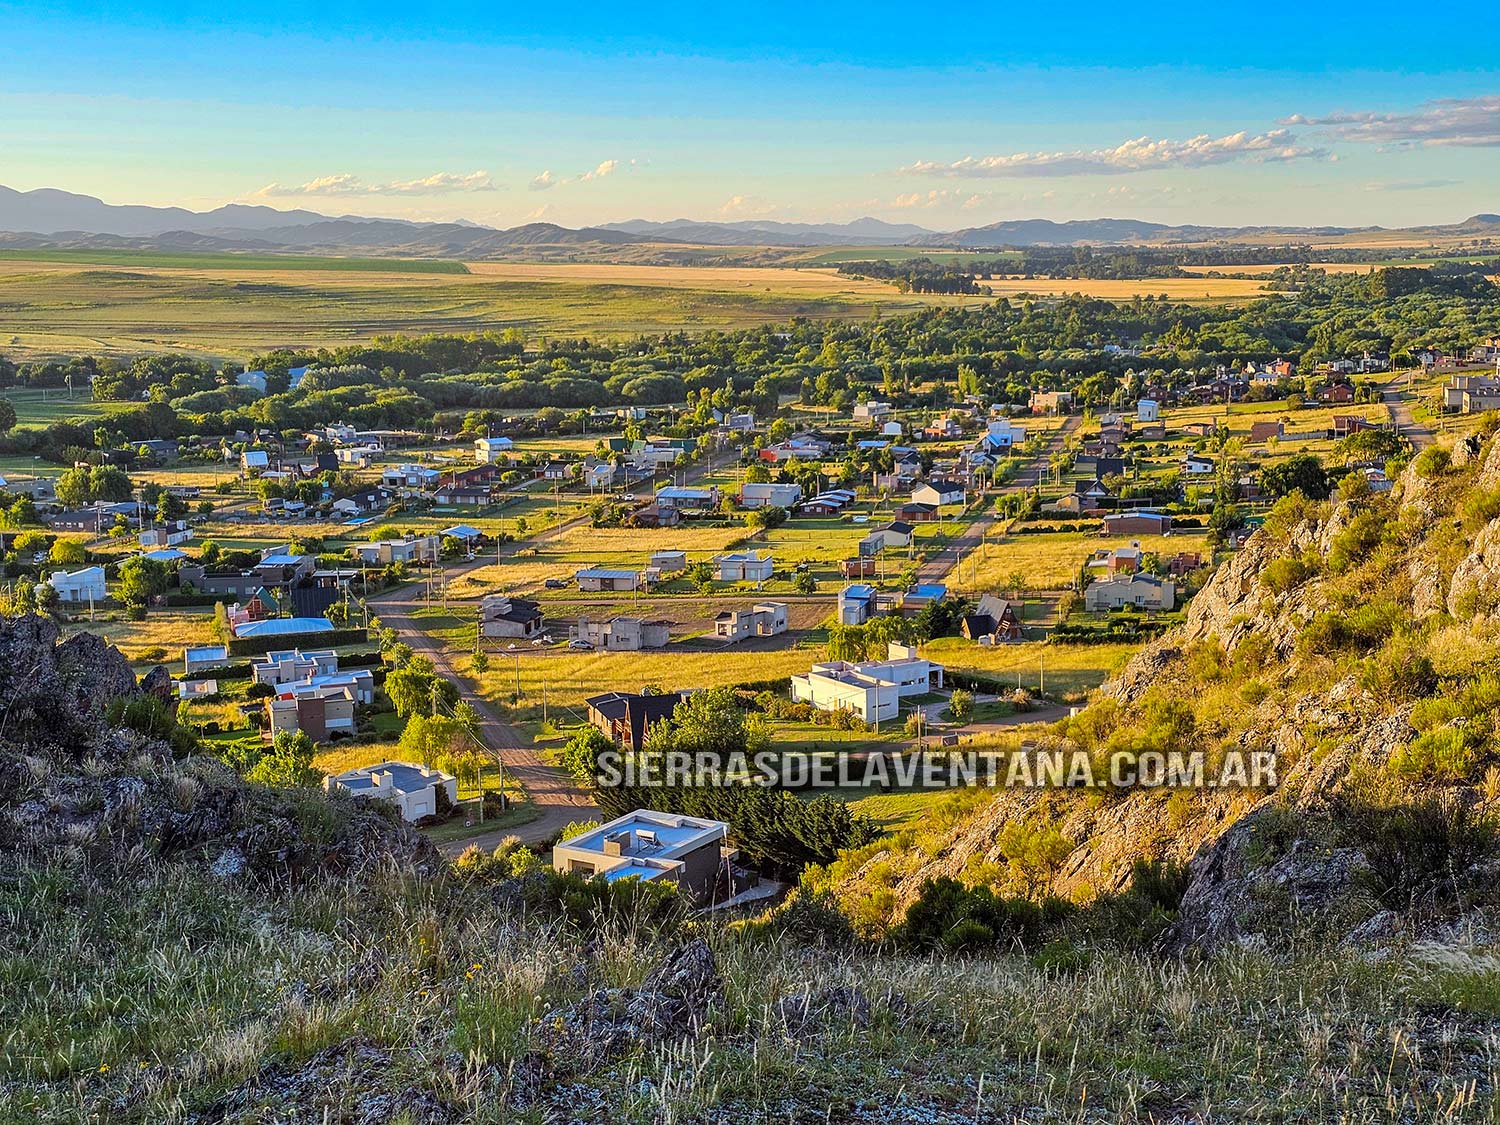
{"x":48,"y":217}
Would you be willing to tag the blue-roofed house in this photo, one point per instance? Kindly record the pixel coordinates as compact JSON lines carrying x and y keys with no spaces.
{"x":856,"y":603}
{"x":411,"y":788}
{"x":295,"y":375}
{"x":255,"y":380}
{"x":202,"y":657}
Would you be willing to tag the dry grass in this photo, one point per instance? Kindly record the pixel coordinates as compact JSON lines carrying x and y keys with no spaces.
{"x":1051,"y":560}
{"x":172,"y":630}
{"x":578,"y":547}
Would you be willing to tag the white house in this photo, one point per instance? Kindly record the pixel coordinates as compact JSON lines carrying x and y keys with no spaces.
{"x":1144,"y":591}
{"x":745,"y":566}
{"x":411,"y":788}
{"x":1196,"y":466}
{"x":769,"y":495}
{"x":488,"y":450}
{"x":601,"y":474}
{"x":86,"y":585}
{"x":872,"y":411}
{"x":1148,"y":410}
{"x":891,"y":429}
{"x":939,"y":492}
{"x":872,"y":690}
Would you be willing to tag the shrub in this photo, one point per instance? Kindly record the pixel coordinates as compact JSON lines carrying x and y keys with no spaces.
{"x":1283,"y":575}
{"x":947,"y":915}
{"x":1431,"y":463}
{"x":1418,"y":851}
{"x":1448,"y":753}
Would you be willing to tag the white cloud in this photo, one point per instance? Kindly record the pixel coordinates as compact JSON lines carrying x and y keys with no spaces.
{"x":1410,"y":185}
{"x":546,"y":180}
{"x":1139,"y":155}
{"x":1457,"y":122}
{"x":944,"y":197}
{"x":748,"y":206}
{"x":347,"y":184}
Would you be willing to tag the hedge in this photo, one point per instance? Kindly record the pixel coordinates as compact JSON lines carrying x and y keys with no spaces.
{"x":258,"y":646}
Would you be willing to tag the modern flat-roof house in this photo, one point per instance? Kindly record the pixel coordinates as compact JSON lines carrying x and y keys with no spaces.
{"x":418,"y":548}
{"x":1144,"y":591}
{"x":593,"y":579}
{"x":626,"y":719}
{"x":939,"y":493}
{"x":622,"y":634}
{"x":289,"y":665}
{"x":318,"y":713}
{"x":1051,"y":402}
{"x":764,"y":619}
{"x":873,"y":689}
{"x":411,"y":788}
{"x":502,"y":616}
{"x":203,"y":657}
{"x":872,"y":411}
{"x":86,"y":585}
{"x":488,"y":450}
{"x":745,"y":566}
{"x":1137,"y":523}
{"x":410,"y":478}
{"x":769,"y":495}
{"x":278,"y":566}
{"x":650,"y":845}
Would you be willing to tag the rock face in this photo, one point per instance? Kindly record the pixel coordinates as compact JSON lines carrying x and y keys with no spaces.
{"x":1330,"y":739}
{"x":55,"y":692}
{"x":671,"y":1005}
{"x":69,"y":781}
{"x":1477,"y":577}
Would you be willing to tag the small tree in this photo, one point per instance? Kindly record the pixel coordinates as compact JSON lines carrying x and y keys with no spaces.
{"x":961,"y":704}
{"x":288,"y":764}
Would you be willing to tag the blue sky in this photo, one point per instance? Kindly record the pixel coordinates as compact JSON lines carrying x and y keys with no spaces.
{"x":955,"y":115}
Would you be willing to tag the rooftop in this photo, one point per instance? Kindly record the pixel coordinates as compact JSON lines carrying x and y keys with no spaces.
{"x":645,"y":834}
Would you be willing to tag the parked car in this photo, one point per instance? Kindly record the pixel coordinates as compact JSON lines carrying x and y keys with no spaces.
{"x":556,"y":583}
{"x":580,"y":644}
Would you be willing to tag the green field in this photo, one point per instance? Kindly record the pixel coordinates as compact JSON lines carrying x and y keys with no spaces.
{"x":158,"y":259}
{"x":42,"y":408}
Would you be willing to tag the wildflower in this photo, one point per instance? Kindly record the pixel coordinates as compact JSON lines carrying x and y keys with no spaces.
{"x":104,"y":1068}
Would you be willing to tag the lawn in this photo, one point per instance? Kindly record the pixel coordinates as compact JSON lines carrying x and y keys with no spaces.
{"x":37,"y":408}
{"x":1051,"y":560}
{"x":1071,"y":671}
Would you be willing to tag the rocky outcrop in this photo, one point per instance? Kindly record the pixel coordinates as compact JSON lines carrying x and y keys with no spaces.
{"x":71,"y":784}
{"x":672,"y":1004}
{"x":1477,"y":577}
{"x":52,"y":693}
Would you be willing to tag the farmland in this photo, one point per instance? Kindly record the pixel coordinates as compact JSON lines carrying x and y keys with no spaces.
{"x":61,"y":306}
